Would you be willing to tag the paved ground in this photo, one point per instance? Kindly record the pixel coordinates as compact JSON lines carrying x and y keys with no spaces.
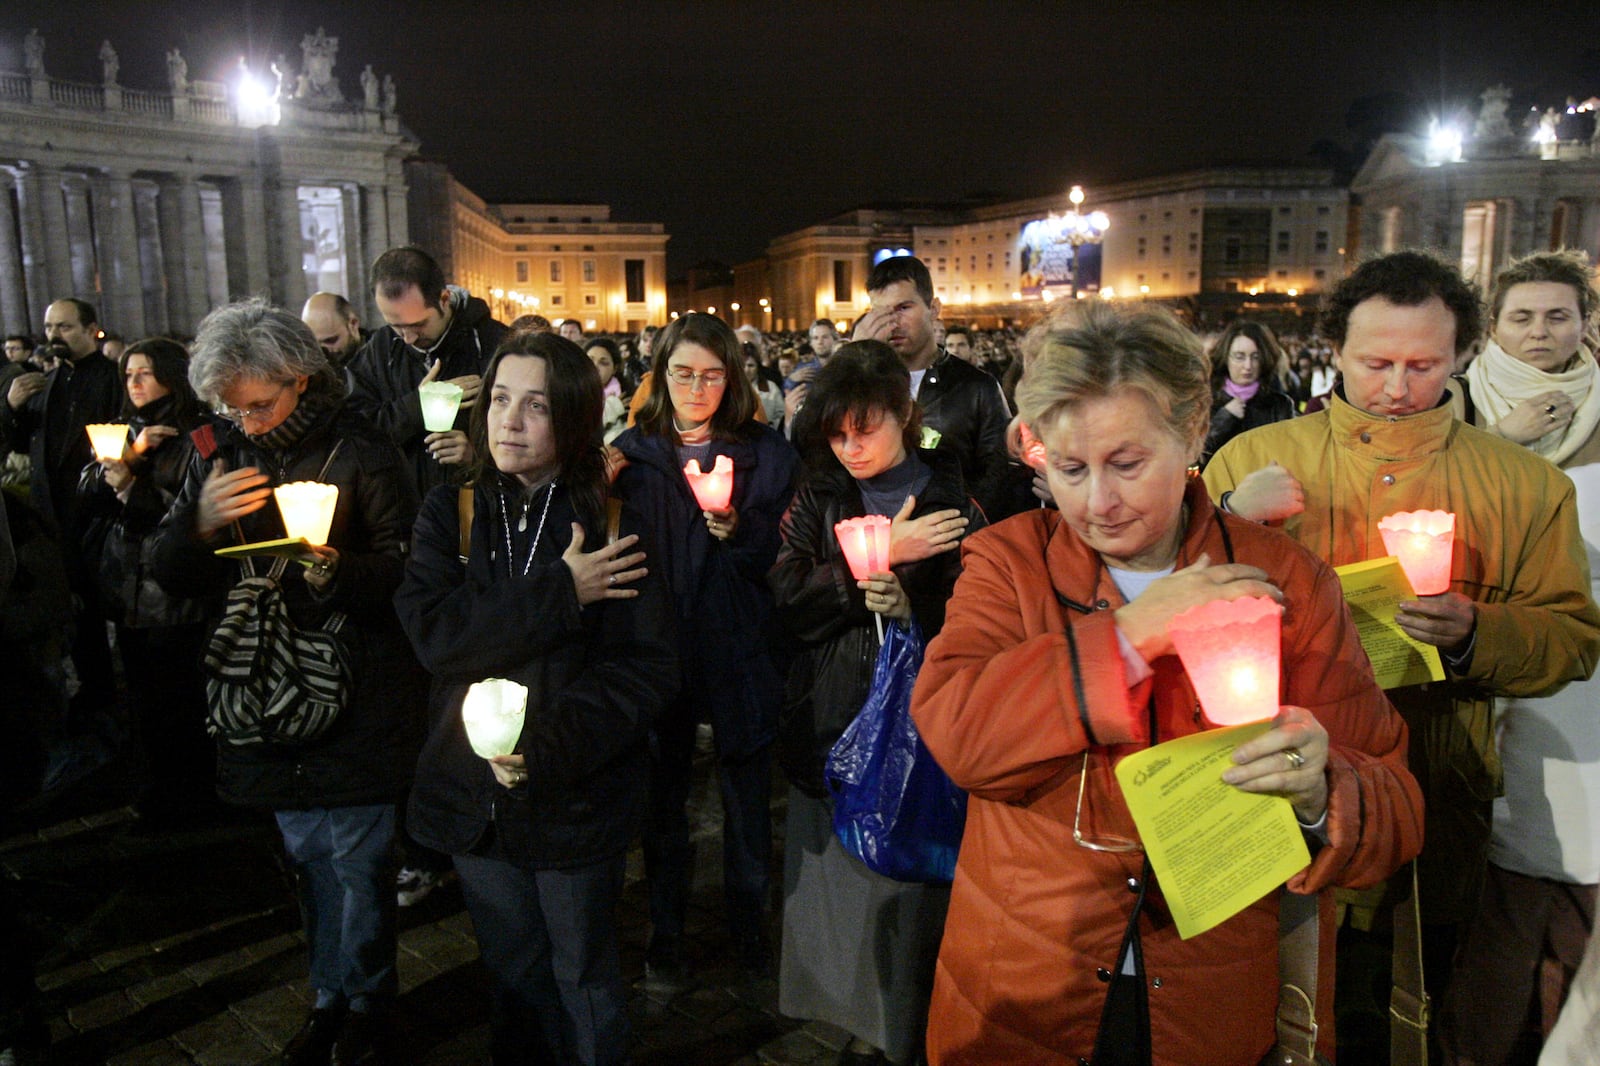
{"x":185,"y":948}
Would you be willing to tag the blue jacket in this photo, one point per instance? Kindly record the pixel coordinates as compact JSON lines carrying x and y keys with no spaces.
{"x":719,"y":589}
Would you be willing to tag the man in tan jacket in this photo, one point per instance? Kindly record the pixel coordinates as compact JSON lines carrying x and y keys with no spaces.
{"x":1518,"y":618}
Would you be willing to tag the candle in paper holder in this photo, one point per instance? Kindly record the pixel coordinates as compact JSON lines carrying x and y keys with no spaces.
{"x":865,"y":543}
{"x":713,"y":488}
{"x":440,"y":402}
{"x":1424,"y":542}
{"x":307,"y":508}
{"x":492,"y":714}
{"x":1231,"y":651}
{"x":108,"y":439}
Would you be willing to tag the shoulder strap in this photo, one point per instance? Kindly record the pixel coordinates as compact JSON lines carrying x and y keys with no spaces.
{"x":466,"y":501}
{"x":1298,"y":930}
{"x":613,"y":519}
{"x":1408,"y":999}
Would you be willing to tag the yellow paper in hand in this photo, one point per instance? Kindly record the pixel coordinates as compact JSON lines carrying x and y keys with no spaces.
{"x":1215,"y":850}
{"x":1372,"y":590}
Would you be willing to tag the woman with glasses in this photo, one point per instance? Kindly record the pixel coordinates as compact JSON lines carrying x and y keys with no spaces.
{"x":715,"y":563}
{"x":1054,"y":662}
{"x":159,"y":636}
{"x":539,"y":836}
{"x":858,"y":948}
{"x":333,"y":798}
{"x":1245,"y":363}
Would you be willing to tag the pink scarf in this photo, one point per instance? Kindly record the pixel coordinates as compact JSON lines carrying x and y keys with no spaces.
{"x":1240,"y":392}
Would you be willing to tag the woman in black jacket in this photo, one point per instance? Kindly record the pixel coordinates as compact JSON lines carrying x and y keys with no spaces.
{"x":715,"y":564}
{"x":1245,"y":363}
{"x":159,"y":635}
{"x":334,"y":798}
{"x":858,"y":948}
{"x":540,"y":836}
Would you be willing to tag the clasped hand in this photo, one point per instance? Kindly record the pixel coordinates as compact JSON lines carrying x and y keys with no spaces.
{"x":1289,"y":760}
{"x":913,"y":539}
{"x":1144,"y":621}
{"x":596,"y":574}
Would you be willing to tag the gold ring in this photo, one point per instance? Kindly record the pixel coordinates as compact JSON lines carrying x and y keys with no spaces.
{"x":1296,"y":760}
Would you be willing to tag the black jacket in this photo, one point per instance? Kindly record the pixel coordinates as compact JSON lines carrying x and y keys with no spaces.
{"x":368,"y":754}
{"x":723,"y":607}
{"x":385,"y":372}
{"x":823,"y":611}
{"x":50,"y":428}
{"x":968,"y":409}
{"x":129,"y":592}
{"x":597,"y":677}
{"x":1267,"y":406}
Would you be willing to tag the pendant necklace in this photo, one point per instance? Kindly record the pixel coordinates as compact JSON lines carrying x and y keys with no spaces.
{"x":522,"y":527}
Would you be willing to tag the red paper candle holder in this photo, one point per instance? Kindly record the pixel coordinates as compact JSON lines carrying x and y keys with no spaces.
{"x":713,"y":488}
{"x":865,"y":543}
{"x":1424,"y":542}
{"x":1231,"y":650}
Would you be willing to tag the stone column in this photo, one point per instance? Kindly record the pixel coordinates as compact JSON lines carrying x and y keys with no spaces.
{"x":285,"y":245}
{"x":174,"y":256}
{"x":117,"y":231}
{"x":44,"y":207}
{"x":354,"y":250}
{"x":375,"y":219}
{"x":35,"y":254}
{"x":193,"y":264}
{"x":13,"y":290}
{"x":399,"y":228}
{"x":80,"y":238}
{"x":245,"y":228}
{"x":152,"y":260}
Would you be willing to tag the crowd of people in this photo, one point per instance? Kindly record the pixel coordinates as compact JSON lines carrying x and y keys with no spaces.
{"x":1054,"y":499}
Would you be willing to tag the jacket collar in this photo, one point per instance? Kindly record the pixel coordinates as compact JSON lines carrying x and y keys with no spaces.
{"x":1079,"y":576}
{"x":1386,"y":439}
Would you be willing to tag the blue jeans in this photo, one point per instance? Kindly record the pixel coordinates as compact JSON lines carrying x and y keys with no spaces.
{"x":549,"y":941}
{"x":345,"y":861}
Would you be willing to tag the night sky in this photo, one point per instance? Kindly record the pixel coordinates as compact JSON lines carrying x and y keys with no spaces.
{"x":735,"y":122}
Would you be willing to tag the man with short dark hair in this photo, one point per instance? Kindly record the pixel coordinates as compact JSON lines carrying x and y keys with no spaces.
{"x":960,"y":403}
{"x":18,"y":349}
{"x":45,"y":415}
{"x":433,"y":332}
{"x":958,"y":342}
{"x":572,"y":330}
{"x":337,"y":327}
{"x":1518,"y":619}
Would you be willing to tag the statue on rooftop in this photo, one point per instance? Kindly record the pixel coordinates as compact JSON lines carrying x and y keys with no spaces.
{"x":109,"y":64}
{"x":177,"y":72}
{"x":317,"y":84}
{"x":33,"y":54}
{"x":388,"y":94}
{"x":1492,"y":124}
{"x":369,"y":88}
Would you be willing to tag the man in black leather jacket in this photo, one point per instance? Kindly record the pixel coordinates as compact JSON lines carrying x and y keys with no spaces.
{"x":433,"y":332}
{"x":961,"y":404}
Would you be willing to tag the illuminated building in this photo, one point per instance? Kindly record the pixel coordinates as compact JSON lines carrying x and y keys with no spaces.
{"x":1487,"y":195}
{"x":1218,"y":238}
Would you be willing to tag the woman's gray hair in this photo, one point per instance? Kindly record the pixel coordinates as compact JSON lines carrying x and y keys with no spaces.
{"x":252,"y":339}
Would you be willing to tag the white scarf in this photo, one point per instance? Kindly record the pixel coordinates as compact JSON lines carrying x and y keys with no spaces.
{"x":1499,"y":382}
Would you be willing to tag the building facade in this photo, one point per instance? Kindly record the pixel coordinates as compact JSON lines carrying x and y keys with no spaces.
{"x":158,"y":206}
{"x":1488,"y":198}
{"x":556,"y":260}
{"x":1223,"y":238}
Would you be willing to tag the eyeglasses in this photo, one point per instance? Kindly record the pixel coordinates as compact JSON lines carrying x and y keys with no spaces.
{"x":711,"y":379}
{"x":256,"y":412}
{"x":1109,"y":843}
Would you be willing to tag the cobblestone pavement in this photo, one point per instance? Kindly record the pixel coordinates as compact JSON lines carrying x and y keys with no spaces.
{"x":185,"y":948}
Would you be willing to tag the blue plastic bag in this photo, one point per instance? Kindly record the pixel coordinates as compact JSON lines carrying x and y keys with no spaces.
{"x":893,"y":807}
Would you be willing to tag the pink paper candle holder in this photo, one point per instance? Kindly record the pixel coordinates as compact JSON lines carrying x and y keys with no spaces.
{"x":712,"y":488}
{"x":1424,"y":542}
{"x":1231,"y":650}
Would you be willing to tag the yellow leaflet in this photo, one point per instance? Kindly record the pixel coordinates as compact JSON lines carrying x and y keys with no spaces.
{"x":1371,"y":590}
{"x":1215,"y":850}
